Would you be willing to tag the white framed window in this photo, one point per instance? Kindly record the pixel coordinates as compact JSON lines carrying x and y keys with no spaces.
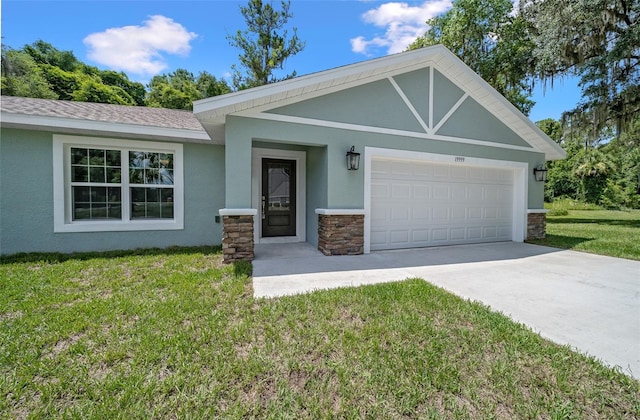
{"x":116,"y":185}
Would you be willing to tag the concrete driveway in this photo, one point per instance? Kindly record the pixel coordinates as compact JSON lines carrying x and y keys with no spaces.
{"x":590,"y":302}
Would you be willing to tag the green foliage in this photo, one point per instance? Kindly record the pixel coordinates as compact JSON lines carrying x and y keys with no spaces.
{"x":40,"y":70}
{"x":491,"y":41}
{"x":135,"y":90}
{"x":209,"y":86}
{"x":604,"y":174}
{"x":179,"y":89}
{"x":63,"y":83}
{"x":21,"y":76}
{"x":265,"y":44}
{"x":45,"y":53}
{"x":92,"y":90}
{"x":599,"y":41}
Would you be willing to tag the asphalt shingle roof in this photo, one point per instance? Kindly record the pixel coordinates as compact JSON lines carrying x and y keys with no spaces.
{"x":117,"y":114}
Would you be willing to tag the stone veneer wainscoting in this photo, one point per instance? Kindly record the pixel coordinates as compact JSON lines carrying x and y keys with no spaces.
{"x":536,"y":224}
{"x":340,"y":232}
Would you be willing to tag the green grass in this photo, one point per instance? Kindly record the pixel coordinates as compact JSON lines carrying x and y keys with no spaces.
{"x":176,"y":334}
{"x":604,"y":232}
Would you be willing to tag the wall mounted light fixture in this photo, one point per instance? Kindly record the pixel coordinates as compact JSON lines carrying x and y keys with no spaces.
{"x":540,"y":172}
{"x":353,"y":159}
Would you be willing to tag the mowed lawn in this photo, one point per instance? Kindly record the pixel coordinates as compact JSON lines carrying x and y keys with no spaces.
{"x":604,"y":232}
{"x":176,"y":334}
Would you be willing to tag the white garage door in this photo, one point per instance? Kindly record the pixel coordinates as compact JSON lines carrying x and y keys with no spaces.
{"x":418,"y":204}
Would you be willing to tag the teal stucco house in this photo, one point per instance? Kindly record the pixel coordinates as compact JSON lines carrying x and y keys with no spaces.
{"x":441,"y":158}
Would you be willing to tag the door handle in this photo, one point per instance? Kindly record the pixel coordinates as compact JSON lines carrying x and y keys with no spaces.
{"x":264,"y":216}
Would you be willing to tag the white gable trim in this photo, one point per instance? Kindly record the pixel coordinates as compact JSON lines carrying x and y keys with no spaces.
{"x":389,"y":131}
{"x":409,"y":105}
{"x":448,"y":115}
{"x":431,"y":97}
{"x":254,"y":101}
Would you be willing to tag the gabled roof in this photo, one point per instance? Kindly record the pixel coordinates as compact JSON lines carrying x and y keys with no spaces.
{"x":105,"y":119}
{"x":212,"y":112}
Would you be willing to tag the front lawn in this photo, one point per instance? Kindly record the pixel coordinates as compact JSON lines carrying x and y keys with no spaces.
{"x":604,"y":232}
{"x":175,"y":334}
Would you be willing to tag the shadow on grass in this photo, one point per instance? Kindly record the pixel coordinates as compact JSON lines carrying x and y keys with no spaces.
{"x":242,"y":268}
{"x":560,"y":241}
{"x":58,"y":257}
{"x":606,"y":222}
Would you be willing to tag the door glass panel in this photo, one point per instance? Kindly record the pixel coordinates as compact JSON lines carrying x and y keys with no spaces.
{"x":279,"y":187}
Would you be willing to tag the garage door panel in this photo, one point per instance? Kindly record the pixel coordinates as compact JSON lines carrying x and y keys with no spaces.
{"x":440,"y":214}
{"x":401,"y":191}
{"x":441,"y":172}
{"x":400,"y":214}
{"x":458,"y":234}
{"x":421,"y":213}
{"x":441,"y":192}
{"x":417,"y":204}
{"x":421,"y":192}
{"x":398,"y":168}
{"x":458,"y":213}
{"x":490,"y":232}
{"x":380,"y":190}
{"x":490,"y":214}
{"x":399,"y":236}
{"x":440,"y":234}
{"x":420,"y":236}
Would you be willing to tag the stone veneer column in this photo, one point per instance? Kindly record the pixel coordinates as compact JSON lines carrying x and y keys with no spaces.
{"x":340,"y":232}
{"x":536,"y":224}
{"x":237,"y":234}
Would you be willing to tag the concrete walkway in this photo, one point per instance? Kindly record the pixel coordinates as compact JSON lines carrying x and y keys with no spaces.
{"x":590,"y":302}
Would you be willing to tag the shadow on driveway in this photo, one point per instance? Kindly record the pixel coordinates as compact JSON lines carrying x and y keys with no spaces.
{"x":303,"y":258}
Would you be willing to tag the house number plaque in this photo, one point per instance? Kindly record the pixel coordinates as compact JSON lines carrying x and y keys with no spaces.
{"x":459,"y":159}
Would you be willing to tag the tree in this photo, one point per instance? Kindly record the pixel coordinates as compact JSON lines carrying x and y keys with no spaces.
{"x":40,"y":70}
{"x":135,"y":90}
{"x":63,"y":83}
{"x":265,"y":44}
{"x":175,"y":90}
{"x":92,"y":90}
{"x":489,"y":39}
{"x":45,"y":53}
{"x":209,"y":86}
{"x":599,"y":41}
{"x":21,"y":76}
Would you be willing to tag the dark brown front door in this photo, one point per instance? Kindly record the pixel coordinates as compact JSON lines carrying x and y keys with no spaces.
{"x":278,"y":197}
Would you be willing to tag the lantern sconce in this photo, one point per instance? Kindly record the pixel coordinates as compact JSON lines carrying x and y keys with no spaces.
{"x":353,"y":159}
{"x":540,"y":172}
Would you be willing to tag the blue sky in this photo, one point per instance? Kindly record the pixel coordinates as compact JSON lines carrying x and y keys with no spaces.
{"x":148,"y":37}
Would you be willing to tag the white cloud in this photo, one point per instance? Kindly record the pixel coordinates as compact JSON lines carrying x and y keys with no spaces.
{"x":403,"y":23}
{"x":138,"y":49}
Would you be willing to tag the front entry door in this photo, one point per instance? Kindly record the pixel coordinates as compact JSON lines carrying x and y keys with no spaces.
{"x":278,"y":197}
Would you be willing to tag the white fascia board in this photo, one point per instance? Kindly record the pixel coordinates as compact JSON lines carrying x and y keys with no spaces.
{"x":37,"y":121}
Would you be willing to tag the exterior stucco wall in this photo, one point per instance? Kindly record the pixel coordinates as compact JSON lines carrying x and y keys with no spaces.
{"x":26,"y":201}
{"x":345,"y":189}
